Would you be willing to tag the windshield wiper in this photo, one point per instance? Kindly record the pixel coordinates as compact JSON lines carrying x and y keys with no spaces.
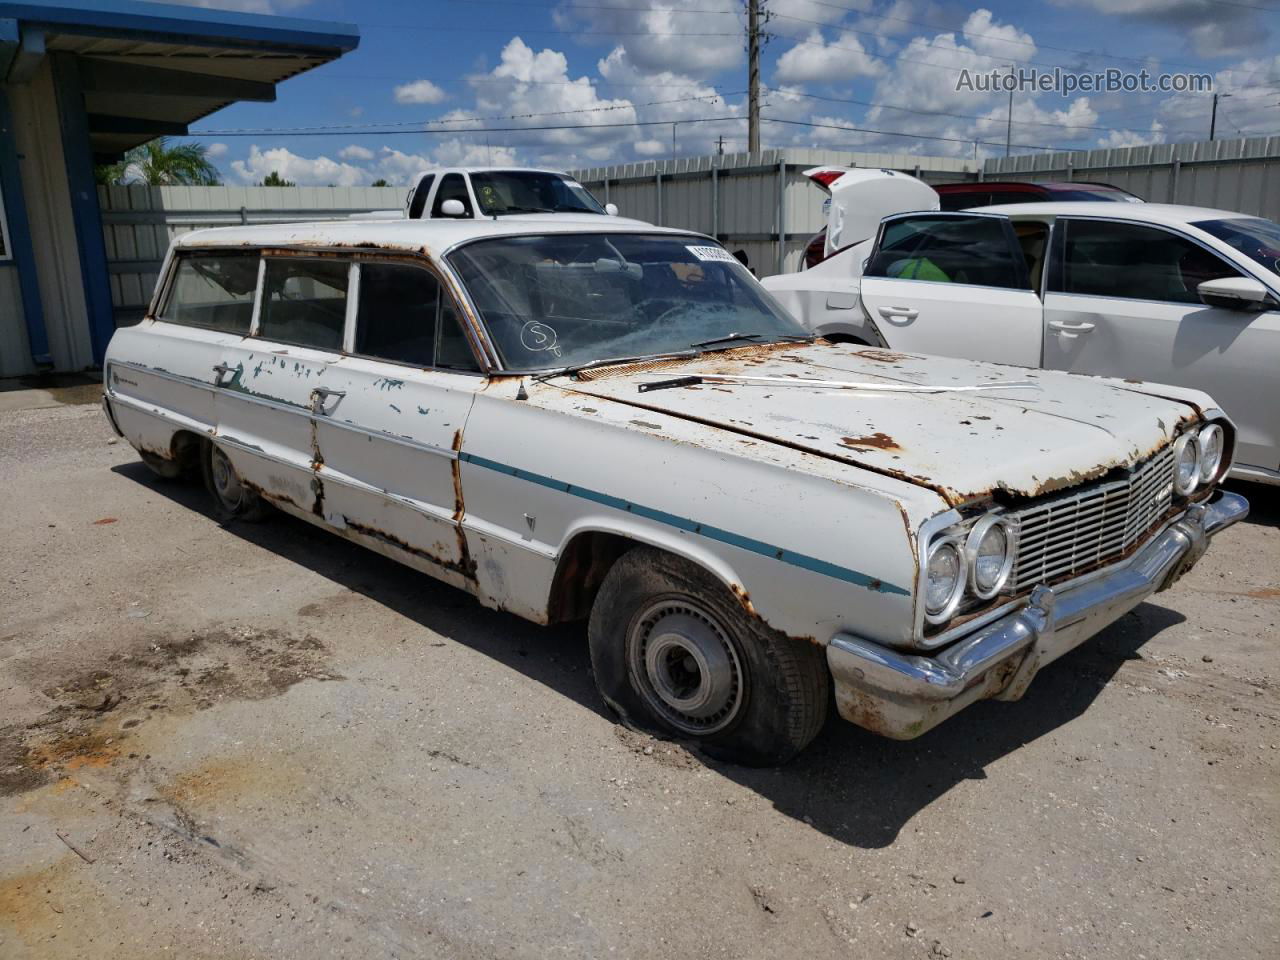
{"x":612,"y":361}
{"x":749,"y":336}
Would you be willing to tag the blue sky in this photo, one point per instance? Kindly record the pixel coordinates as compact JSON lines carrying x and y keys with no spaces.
{"x":829,"y":65}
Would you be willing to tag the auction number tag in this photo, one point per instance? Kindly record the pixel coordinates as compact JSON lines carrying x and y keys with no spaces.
{"x":714,"y":254}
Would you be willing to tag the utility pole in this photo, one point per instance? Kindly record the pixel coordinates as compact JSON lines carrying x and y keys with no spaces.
{"x":1213,"y":114}
{"x":753,"y":76}
{"x":1008,"y":130}
{"x":720,"y":145}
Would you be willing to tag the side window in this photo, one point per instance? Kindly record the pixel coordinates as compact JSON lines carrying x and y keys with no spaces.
{"x":419,"y":202}
{"x":304,"y":302}
{"x":1128,"y":260}
{"x":968,"y":249}
{"x":405,"y":316}
{"x":452,"y":187}
{"x":214,"y":291}
{"x":963,"y":200}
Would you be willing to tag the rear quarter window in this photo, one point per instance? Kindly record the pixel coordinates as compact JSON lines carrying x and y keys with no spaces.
{"x":214,"y":291}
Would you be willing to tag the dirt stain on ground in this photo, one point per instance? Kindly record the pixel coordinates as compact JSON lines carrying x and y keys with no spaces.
{"x":94,"y":709}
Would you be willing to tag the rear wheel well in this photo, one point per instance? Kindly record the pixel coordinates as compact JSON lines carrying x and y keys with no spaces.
{"x":583,"y":565}
{"x":185,"y":448}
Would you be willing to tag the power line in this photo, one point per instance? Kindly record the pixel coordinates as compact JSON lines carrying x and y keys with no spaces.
{"x":400,"y":131}
{"x":337,"y":128}
{"x":941,"y":113}
{"x":913,"y":136}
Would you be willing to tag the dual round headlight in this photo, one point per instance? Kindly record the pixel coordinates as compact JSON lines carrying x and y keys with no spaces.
{"x":980,"y":562}
{"x":1197,"y":458}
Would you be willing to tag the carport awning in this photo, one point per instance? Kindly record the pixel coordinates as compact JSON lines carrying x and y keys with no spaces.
{"x":150,"y":69}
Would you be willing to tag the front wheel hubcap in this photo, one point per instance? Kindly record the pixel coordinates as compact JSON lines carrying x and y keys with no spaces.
{"x":687,"y":666}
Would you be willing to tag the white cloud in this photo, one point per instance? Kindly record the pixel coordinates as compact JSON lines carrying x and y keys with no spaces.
{"x":420,"y":91}
{"x":651,"y":148}
{"x":661,"y":35}
{"x":813,"y":60}
{"x":304,"y":171}
{"x":215,"y":151}
{"x":355,"y":152}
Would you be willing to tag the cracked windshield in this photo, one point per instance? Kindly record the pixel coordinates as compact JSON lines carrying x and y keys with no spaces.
{"x":566,"y":300}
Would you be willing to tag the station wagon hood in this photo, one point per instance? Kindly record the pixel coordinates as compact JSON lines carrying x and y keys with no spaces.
{"x":1061,"y":431}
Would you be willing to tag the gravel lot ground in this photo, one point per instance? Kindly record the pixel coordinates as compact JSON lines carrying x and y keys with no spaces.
{"x":260,"y":741}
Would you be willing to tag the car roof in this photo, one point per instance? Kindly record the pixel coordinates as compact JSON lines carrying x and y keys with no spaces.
{"x":979,"y":185}
{"x":506,"y":169}
{"x":431,"y":237}
{"x":1167,"y":213}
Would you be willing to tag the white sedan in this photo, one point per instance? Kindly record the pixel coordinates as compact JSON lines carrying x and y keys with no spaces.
{"x":1150,"y":292}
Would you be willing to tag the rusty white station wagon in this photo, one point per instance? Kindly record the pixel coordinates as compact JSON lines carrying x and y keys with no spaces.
{"x":618,"y":424}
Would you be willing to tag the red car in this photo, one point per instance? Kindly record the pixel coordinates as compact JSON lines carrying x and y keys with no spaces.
{"x":986,"y":193}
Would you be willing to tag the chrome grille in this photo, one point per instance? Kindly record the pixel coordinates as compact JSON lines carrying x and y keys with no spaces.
{"x":1065,"y":535}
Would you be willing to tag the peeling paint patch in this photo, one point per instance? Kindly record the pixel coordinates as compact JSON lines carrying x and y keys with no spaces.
{"x":877,"y":440}
{"x":386,"y":383}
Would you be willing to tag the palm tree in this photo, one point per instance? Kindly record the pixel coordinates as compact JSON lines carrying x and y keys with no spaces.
{"x":160,"y":164}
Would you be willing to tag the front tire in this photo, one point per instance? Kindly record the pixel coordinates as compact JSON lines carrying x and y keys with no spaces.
{"x":675,"y":653}
{"x":232,"y":499}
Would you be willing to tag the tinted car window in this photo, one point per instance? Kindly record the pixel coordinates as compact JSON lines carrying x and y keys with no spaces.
{"x":214,"y":291}
{"x":304,"y":302}
{"x":1134,"y":262}
{"x":1257,"y":239}
{"x":968,"y":250}
{"x":452,"y":187}
{"x":406,"y":316}
{"x":530,"y":191}
{"x":419,"y":202}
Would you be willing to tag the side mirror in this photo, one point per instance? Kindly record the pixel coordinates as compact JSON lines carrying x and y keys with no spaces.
{"x":1236,"y":293}
{"x":453,"y":208}
{"x":611,"y":209}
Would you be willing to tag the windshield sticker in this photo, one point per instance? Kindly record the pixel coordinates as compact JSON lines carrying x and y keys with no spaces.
{"x":714,"y":254}
{"x":536,"y":336}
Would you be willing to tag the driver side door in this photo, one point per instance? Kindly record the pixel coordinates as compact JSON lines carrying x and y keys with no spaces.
{"x":1121,"y":301}
{"x":954,"y":284}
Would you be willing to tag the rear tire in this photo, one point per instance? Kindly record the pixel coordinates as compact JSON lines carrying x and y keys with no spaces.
{"x":676,"y":653}
{"x":232,"y":499}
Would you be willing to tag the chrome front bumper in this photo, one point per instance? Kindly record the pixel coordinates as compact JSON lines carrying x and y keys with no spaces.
{"x":902,"y":695}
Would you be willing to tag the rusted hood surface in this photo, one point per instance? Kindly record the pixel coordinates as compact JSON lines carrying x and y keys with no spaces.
{"x":1063,"y":431}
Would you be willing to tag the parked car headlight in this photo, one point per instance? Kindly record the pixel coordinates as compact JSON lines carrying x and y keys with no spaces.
{"x":944,"y":580}
{"x":1186,"y":464}
{"x":1211,"y":442}
{"x":989,"y":550}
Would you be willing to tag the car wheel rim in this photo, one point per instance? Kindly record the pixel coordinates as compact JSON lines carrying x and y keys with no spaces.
{"x":226,"y":485}
{"x":687,"y":666}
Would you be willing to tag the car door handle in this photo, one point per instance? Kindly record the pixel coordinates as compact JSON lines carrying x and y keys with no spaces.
{"x":1068,"y":330}
{"x":907,"y":313}
{"x":221,"y":370}
{"x":321,"y":395}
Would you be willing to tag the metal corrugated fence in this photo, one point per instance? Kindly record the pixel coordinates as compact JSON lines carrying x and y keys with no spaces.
{"x":741,"y":198}
{"x":1241,"y":175}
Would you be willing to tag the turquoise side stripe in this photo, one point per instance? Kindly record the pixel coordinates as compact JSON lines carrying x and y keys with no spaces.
{"x":690,"y":526}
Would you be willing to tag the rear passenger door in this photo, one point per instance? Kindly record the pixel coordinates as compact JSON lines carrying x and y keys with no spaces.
{"x":389,"y":447}
{"x":953,"y":284}
{"x":272,"y":384}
